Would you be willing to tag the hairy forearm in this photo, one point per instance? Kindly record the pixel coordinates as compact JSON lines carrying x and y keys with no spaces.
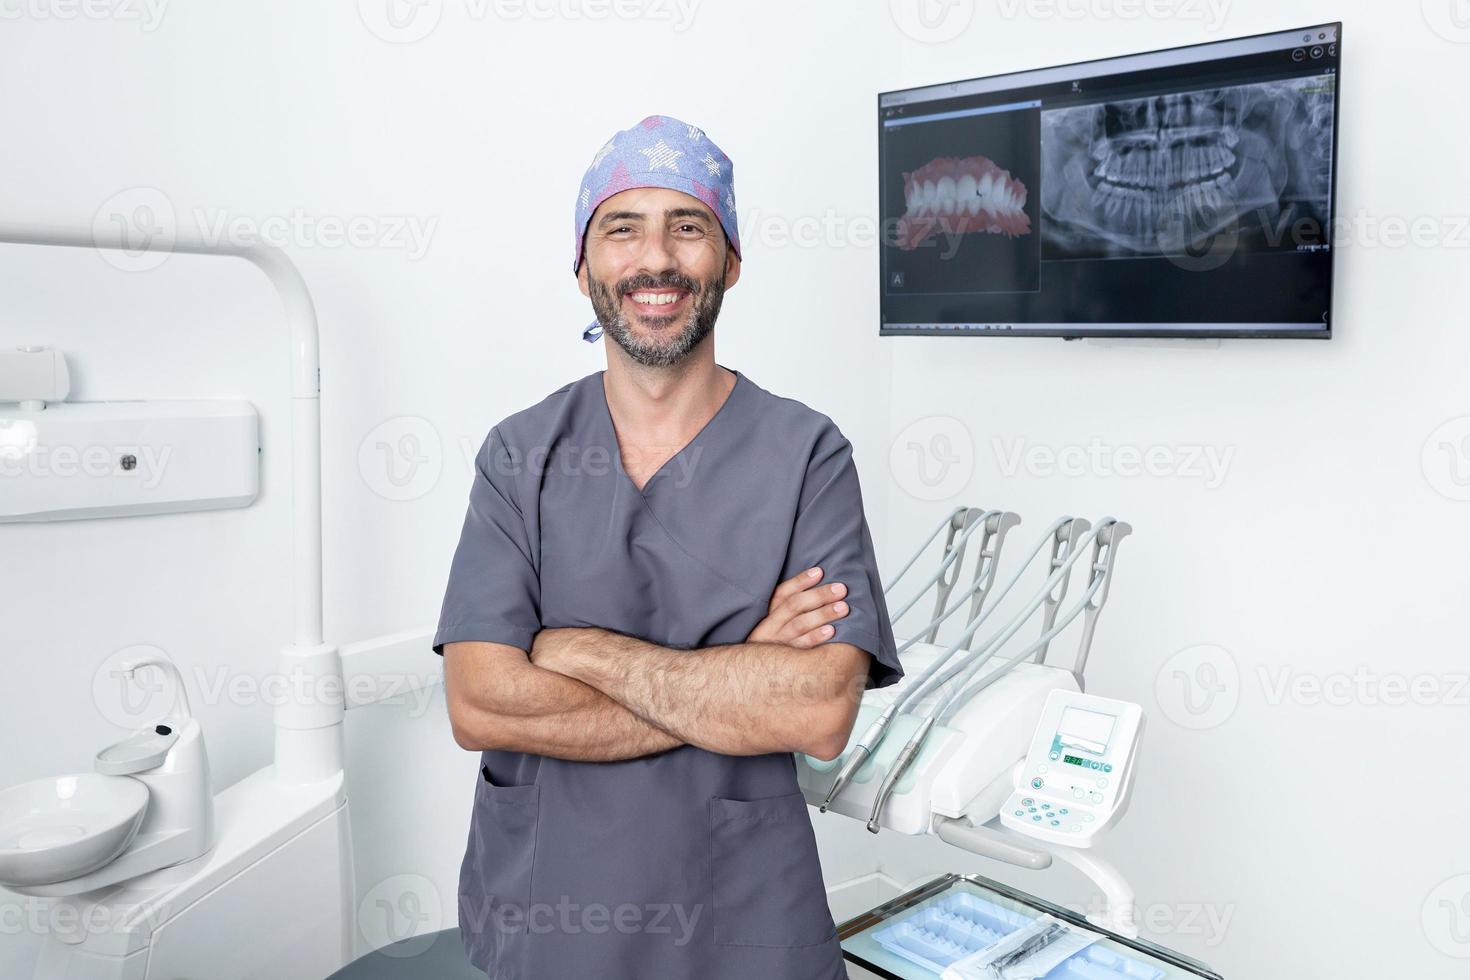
{"x":737,"y":699}
{"x":546,"y":713}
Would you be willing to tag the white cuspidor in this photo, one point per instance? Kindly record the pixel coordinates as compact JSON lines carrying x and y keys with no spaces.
{"x":1077,"y":777}
{"x":148,"y":876}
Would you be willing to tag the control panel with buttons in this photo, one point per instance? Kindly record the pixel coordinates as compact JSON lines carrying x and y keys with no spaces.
{"x":1078,"y":773}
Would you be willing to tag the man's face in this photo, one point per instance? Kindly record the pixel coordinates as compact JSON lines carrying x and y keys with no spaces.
{"x":656,"y":266}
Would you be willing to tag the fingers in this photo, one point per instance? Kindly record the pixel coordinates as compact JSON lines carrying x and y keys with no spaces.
{"x":795,"y":584}
{"x":802,"y":609}
{"x":816,"y":624}
{"x":810,"y":598}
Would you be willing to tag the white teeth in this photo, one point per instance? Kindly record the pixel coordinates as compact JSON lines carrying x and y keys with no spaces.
{"x":944,"y":191}
{"x":655,"y":299}
{"x":965,"y":192}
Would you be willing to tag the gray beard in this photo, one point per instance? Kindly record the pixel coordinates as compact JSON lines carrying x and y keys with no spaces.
{"x":607,"y":304}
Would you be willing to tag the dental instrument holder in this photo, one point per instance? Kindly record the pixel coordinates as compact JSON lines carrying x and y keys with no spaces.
{"x":1062,"y":546}
{"x":961,"y":521}
{"x":992,"y":540}
{"x":1104,"y":552}
{"x":964,"y":521}
{"x":1058,"y":573}
{"x":987,"y":838}
{"x":169,"y":758}
{"x":993,"y":534}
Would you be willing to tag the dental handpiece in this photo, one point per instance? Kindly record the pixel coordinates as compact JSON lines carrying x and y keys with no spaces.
{"x":981,"y":656}
{"x":896,"y":771}
{"x":875,"y":733}
{"x":864,"y":748}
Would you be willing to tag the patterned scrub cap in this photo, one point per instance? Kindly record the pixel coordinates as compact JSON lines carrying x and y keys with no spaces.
{"x":660,"y":151}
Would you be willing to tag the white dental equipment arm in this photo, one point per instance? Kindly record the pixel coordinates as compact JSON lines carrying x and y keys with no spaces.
{"x":932,"y":714}
{"x":922,"y":684}
{"x":949,"y":521}
{"x":953,"y":552}
{"x":1104,"y":538}
{"x":870,"y":739}
{"x":986,"y":564}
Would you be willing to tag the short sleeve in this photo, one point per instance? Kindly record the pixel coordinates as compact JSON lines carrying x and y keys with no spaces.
{"x":832,"y":531}
{"x":494,"y":591}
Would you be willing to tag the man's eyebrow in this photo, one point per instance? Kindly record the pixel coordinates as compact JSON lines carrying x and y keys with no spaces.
{"x":614,"y":216}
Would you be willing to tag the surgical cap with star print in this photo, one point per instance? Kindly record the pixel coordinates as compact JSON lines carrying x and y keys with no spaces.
{"x":660,"y":151}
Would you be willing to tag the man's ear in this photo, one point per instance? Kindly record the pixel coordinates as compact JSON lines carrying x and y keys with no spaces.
{"x":582,"y":277}
{"x":732,"y":267}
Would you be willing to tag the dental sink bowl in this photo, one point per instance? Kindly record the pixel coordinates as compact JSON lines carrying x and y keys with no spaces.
{"x":62,"y":827}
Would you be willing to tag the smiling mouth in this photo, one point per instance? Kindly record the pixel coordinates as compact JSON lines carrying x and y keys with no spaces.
{"x":656,"y":301}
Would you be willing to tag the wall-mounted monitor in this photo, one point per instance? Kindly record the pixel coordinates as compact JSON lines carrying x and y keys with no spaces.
{"x":1181,"y":193}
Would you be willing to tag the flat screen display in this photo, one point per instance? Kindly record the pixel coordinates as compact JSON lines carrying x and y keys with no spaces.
{"x":1180,"y":193}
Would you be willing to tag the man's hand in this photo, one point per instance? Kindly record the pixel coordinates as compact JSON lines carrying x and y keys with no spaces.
{"x":801,"y":611}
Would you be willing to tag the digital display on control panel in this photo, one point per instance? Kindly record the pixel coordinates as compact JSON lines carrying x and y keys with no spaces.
{"x":1086,"y":730}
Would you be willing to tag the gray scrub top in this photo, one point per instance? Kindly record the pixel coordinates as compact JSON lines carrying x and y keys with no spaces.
{"x":687,"y":863}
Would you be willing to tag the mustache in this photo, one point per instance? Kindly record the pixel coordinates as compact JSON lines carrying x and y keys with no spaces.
{"x":635,"y":284}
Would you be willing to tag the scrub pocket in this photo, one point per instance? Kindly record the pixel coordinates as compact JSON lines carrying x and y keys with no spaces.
{"x":495,"y":878}
{"x":768,"y":888}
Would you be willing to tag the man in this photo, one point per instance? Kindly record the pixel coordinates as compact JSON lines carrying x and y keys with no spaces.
{"x":664,"y":587}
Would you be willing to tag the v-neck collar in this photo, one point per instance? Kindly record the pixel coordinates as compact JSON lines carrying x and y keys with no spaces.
{"x":615,"y":448}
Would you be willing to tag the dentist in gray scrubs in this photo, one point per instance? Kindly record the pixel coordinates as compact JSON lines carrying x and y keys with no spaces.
{"x":665,"y":586}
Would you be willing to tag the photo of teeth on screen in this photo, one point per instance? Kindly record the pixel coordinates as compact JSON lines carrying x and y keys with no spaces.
{"x":959,"y":196}
{"x":1164,"y":173}
{"x":1186,"y":192}
{"x":960,"y":204}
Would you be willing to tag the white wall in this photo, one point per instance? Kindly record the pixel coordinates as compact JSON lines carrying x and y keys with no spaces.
{"x":1319,"y":828}
{"x":476,"y":135}
{"x":479,"y":133}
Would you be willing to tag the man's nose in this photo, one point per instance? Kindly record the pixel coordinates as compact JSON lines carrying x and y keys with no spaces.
{"x":657,"y":257}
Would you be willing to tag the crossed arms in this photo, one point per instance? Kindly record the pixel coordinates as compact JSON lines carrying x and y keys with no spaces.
{"x":593,"y":695}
